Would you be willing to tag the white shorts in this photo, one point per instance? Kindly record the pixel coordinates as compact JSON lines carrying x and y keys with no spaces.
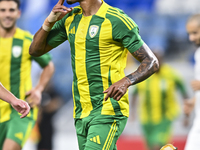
{"x":193,"y":139}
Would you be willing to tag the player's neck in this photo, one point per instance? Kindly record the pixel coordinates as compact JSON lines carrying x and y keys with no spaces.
{"x":90,"y":7}
{"x":7,"y":33}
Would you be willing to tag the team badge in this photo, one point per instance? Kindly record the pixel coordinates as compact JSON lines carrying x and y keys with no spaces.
{"x":93,"y":30}
{"x":17,"y":51}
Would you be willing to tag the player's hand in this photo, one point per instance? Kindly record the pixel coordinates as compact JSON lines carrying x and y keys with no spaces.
{"x":33,"y":97}
{"x":188,"y":106}
{"x":118,"y":89}
{"x":195,"y":85}
{"x":57,"y":13}
{"x":60,"y":10}
{"x":21,"y":106}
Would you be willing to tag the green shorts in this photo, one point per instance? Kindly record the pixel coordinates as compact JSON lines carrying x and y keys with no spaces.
{"x":157,"y":134}
{"x":99,"y":132}
{"x":16,"y":129}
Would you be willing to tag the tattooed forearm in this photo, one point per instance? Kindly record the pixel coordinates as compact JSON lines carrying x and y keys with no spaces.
{"x":149,"y":65}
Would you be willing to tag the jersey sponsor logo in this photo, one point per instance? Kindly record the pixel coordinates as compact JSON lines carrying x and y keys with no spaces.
{"x":96,"y":139}
{"x":93,"y":30}
{"x":19,"y":135}
{"x":17,"y":51}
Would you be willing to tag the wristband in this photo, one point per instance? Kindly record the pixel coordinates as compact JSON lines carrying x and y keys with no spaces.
{"x":50,"y":19}
{"x":53,"y":16}
{"x":46,"y":28}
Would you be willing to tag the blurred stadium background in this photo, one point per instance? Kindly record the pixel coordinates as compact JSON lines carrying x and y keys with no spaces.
{"x":162,"y":27}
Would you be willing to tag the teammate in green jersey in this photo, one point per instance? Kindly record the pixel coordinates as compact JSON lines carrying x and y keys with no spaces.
{"x":19,"y":105}
{"x":157,"y":104}
{"x":15,"y":75}
{"x":100,"y":37}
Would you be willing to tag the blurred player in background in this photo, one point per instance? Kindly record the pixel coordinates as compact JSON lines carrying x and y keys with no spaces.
{"x":15,"y":64}
{"x":158,"y":104}
{"x":193,"y":29}
{"x":19,"y":105}
{"x":100,"y":37}
{"x":51,"y":102}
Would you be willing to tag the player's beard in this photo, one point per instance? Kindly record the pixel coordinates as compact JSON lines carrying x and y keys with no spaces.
{"x":8,"y":28}
{"x":70,"y":2}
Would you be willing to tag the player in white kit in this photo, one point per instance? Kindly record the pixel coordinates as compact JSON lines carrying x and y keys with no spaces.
{"x":193,"y":140}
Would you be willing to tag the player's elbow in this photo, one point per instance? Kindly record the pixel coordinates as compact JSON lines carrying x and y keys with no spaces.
{"x":31,"y":52}
{"x":34,"y":51}
{"x":156,"y":65}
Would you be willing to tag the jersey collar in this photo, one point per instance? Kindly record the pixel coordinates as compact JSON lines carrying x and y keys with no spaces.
{"x":102,"y":10}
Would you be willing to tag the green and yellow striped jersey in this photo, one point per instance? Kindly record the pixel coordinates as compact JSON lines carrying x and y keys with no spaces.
{"x":99,"y":46}
{"x":15,"y":67}
{"x":158,"y":96}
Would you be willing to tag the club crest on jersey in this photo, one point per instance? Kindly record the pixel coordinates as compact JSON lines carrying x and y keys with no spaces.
{"x":17,"y":51}
{"x":93,"y":30}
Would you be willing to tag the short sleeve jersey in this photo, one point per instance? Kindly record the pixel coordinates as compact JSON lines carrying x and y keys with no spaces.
{"x":99,"y":46}
{"x":15,"y":64}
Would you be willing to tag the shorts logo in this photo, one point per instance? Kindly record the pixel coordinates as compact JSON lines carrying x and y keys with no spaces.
{"x":17,"y":51}
{"x":19,"y":135}
{"x":96,"y":139}
{"x":93,"y":30}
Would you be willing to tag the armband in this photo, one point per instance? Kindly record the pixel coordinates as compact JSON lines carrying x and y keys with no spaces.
{"x":53,"y":16}
{"x":51,"y":19}
{"x":46,"y":28}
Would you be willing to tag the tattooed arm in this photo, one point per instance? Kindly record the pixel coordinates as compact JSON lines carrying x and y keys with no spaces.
{"x":149,"y":65}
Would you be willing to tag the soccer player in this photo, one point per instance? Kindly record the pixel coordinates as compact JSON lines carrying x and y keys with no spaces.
{"x":157,"y":103}
{"x":193,"y":29}
{"x":15,"y":75}
{"x":19,"y":105}
{"x":100,"y":37}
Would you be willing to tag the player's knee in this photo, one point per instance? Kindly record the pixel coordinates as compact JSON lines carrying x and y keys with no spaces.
{"x":11,"y":145}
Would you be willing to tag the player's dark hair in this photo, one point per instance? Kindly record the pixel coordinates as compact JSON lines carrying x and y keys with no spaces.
{"x":16,"y":1}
